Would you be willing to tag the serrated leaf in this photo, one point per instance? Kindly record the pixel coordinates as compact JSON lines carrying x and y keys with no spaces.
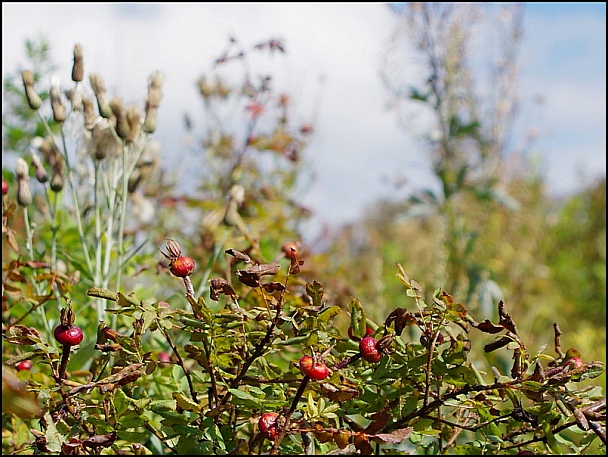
{"x":53,"y":439}
{"x":315,"y":292}
{"x":329,"y":313}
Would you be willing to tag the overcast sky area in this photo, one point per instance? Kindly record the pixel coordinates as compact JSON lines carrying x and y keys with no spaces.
{"x":332,"y":68}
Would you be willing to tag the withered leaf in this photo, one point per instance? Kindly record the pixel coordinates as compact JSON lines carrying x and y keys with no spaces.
{"x":447,"y":298}
{"x":108,"y":347}
{"x":343,"y":392}
{"x":395,"y":437}
{"x":36,"y":264}
{"x":294,"y":267}
{"x":323,"y":436}
{"x":262,"y":269}
{"x":238,"y":254}
{"x":125,"y":376}
{"x":539,"y":373}
{"x":402,"y":318}
{"x":341,"y":439}
{"x":361,"y":443}
{"x":251,"y":280}
{"x":219,"y":286}
{"x":271,"y":287}
{"x":251,"y":276}
{"x":22,"y":335}
{"x":505,"y":319}
{"x":100,"y":440}
{"x":379,"y":420}
{"x":497,"y":344}
{"x":488,"y":327}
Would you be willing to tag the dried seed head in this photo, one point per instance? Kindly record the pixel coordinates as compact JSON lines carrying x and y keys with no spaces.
{"x":103,"y":142}
{"x":41,"y":174}
{"x":134,"y":121}
{"x":22,"y":170}
{"x":57,"y":182}
{"x":174,"y":250}
{"x":99,"y":88}
{"x":33,"y":99}
{"x":75,"y":98}
{"x":122,"y":125}
{"x":58,"y":108}
{"x":155,"y":95}
{"x":89,"y":112}
{"x":24,"y":193}
{"x":49,"y":151}
{"x":78,"y":68}
{"x":150,"y":121}
{"x":156,"y":81}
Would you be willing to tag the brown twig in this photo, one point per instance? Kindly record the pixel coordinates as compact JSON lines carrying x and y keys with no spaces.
{"x":558,"y":346}
{"x":180,"y":361}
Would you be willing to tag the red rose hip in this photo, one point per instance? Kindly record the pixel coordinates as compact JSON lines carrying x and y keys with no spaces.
{"x":24,"y":365}
{"x":68,"y":336}
{"x":182,"y":266}
{"x":268,"y":425}
{"x":575,"y":362}
{"x":368,"y":347}
{"x":313,"y":369}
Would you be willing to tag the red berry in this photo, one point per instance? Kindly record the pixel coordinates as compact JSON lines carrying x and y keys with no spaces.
{"x":368,"y":332}
{"x":306,"y":363}
{"x":24,"y":365}
{"x":369,"y":349}
{"x":68,"y":336}
{"x":4,"y":187}
{"x":164,"y":357}
{"x":268,"y":425}
{"x":440,"y":339}
{"x":314,"y":370}
{"x":287,"y":249}
{"x":575,"y":362}
{"x":182,"y":266}
{"x":319,"y":371}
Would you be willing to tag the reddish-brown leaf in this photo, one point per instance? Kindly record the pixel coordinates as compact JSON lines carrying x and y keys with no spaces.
{"x":488,"y":327}
{"x":395,"y":437}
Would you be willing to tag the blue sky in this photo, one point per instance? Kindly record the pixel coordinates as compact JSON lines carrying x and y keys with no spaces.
{"x":359,"y":148}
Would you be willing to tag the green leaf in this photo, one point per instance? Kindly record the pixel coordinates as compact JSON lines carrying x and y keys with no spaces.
{"x":315,"y":292}
{"x":241,"y":394}
{"x":133,"y":437}
{"x":329,"y":313}
{"x":53,"y":439}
